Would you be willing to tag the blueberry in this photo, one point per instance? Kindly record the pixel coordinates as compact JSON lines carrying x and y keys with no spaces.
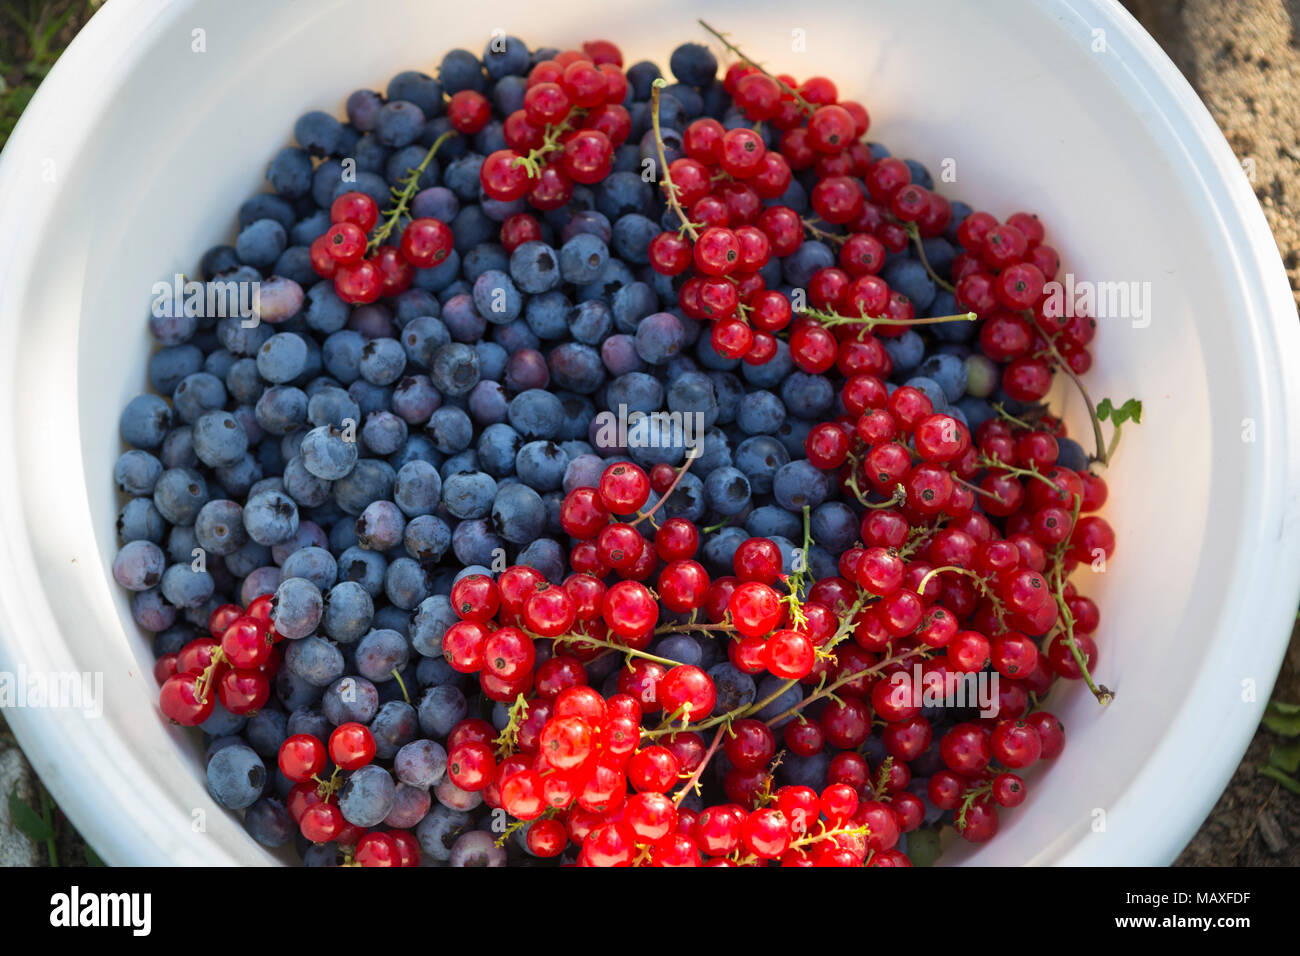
{"x":659,"y":337}
{"x":518,"y":514}
{"x":437,"y":202}
{"x":583,"y":258}
{"x":261,"y":242}
{"x":693,"y":64}
{"x":758,"y":458}
{"x":632,"y":236}
{"x":281,"y":409}
{"x":406,"y":584}
{"x":139,"y":565}
{"x":535,"y":414}
{"x":497,"y":448}
{"x":508,"y":96}
{"x":534,"y":266}
{"x":727,"y":490}
{"x":431,"y":620}
{"x":450,"y":429}
{"x":265,"y":206}
{"x":461,"y":70}
{"x":734,"y":687}
{"x":139,"y":520}
{"x":476,"y":848}
{"x":546,"y":555}
{"x":932,"y":390}
{"x":367,"y":796}
{"x":314,"y":564}
{"x":219,"y":527}
{"x":371,"y":480}
{"x":348,"y":610}
{"x":469,"y":495}
{"x":380,"y":526}
{"x":906,"y":351}
{"x":421,"y":763}
{"x":440,"y":709}
{"x":800,"y":483}
{"x":399,"y":123}
{"x":269,"y":517}
{"x":541,"y":465}
{"x":474,"y":542}
{"x":761,"y":413}
{"x":178,"y":495}
{"x":455,"y":369}
{"x":641,"y":75}
{"x":588,"y":222}
{"x":438,"y":831}
{"x":799,"y":266}
{"x":236,"y":777}
{"x":910,"y":277}
{"x":806,"y":396}
{"x":145,"y":421}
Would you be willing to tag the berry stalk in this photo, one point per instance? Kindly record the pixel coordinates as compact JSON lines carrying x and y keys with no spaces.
{"x":402,"y":196}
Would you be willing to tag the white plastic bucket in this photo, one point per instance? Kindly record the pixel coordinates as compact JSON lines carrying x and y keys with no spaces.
{"x":136,"y":151}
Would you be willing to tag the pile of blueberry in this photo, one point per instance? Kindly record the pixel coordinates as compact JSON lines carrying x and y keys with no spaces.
{"x":607,"y":460}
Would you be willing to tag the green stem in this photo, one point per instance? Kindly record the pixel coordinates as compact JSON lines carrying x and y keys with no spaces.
{"x":829,"y":689}
{"x":832,"y":319}
{"x":804,"y":105}
{"x":691,"y":455}
{"x":694,"y":779}
{"x":402,"y":197}
{"x":665,"y":177}
{"x":915,"y":233}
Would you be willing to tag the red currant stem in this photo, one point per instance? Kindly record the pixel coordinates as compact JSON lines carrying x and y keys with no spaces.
{"x":714,"y":528}
{"x":915,"y":235}
{"x":508,"y":739}
{"x":402,"y":684}
{"x":691,"y":455}
{"x":694,"y":780}
{"x":1056,"y":581}
{"x":832,"y":319}
{"x":919,"y":536}
{"x":847,"y":623}
{"x":513,"y":826}
{"x":794,"y":582}
{"x":818,"y":233}
{"x":804,"y":105}
{"x":1004,"y":414}
{"x":612,"y":645}
{"x":882,"y":776}
{"x":978,"y":490}
{"x":324,"y":788}
{"x":830,"y":689}
{"x":995,"y":462}
{"x":1103,"y":453}
{"x":920,"y":588}
{"x":968,"y":799}
{"x":409,"y":186}
{"x":550,"y":144}
{"x":665,"y":177}
{"x":205,"y":679}
{"x":688,"y":628}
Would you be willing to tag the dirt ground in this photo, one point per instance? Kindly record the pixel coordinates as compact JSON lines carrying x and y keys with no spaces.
{"x":1243,"y":58}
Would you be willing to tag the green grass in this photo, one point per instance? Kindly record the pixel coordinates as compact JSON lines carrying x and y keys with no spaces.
{"x":32,"y":35}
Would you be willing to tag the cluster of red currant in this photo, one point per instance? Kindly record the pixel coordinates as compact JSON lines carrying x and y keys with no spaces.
{"x":566,"y":132}
{"x":313,"y":802}
{"x":235,"y":668}
{"x":363,"y":269}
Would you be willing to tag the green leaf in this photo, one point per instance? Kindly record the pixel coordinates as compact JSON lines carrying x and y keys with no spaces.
{"x":923,"y":847}
{"x":1130,"y":411}
{"x":1275,"y":774}
{"x":93,"y":858}
{"x":1282,"y":718}
{"x":1286,"y":756}
{"x":26,"y":820}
